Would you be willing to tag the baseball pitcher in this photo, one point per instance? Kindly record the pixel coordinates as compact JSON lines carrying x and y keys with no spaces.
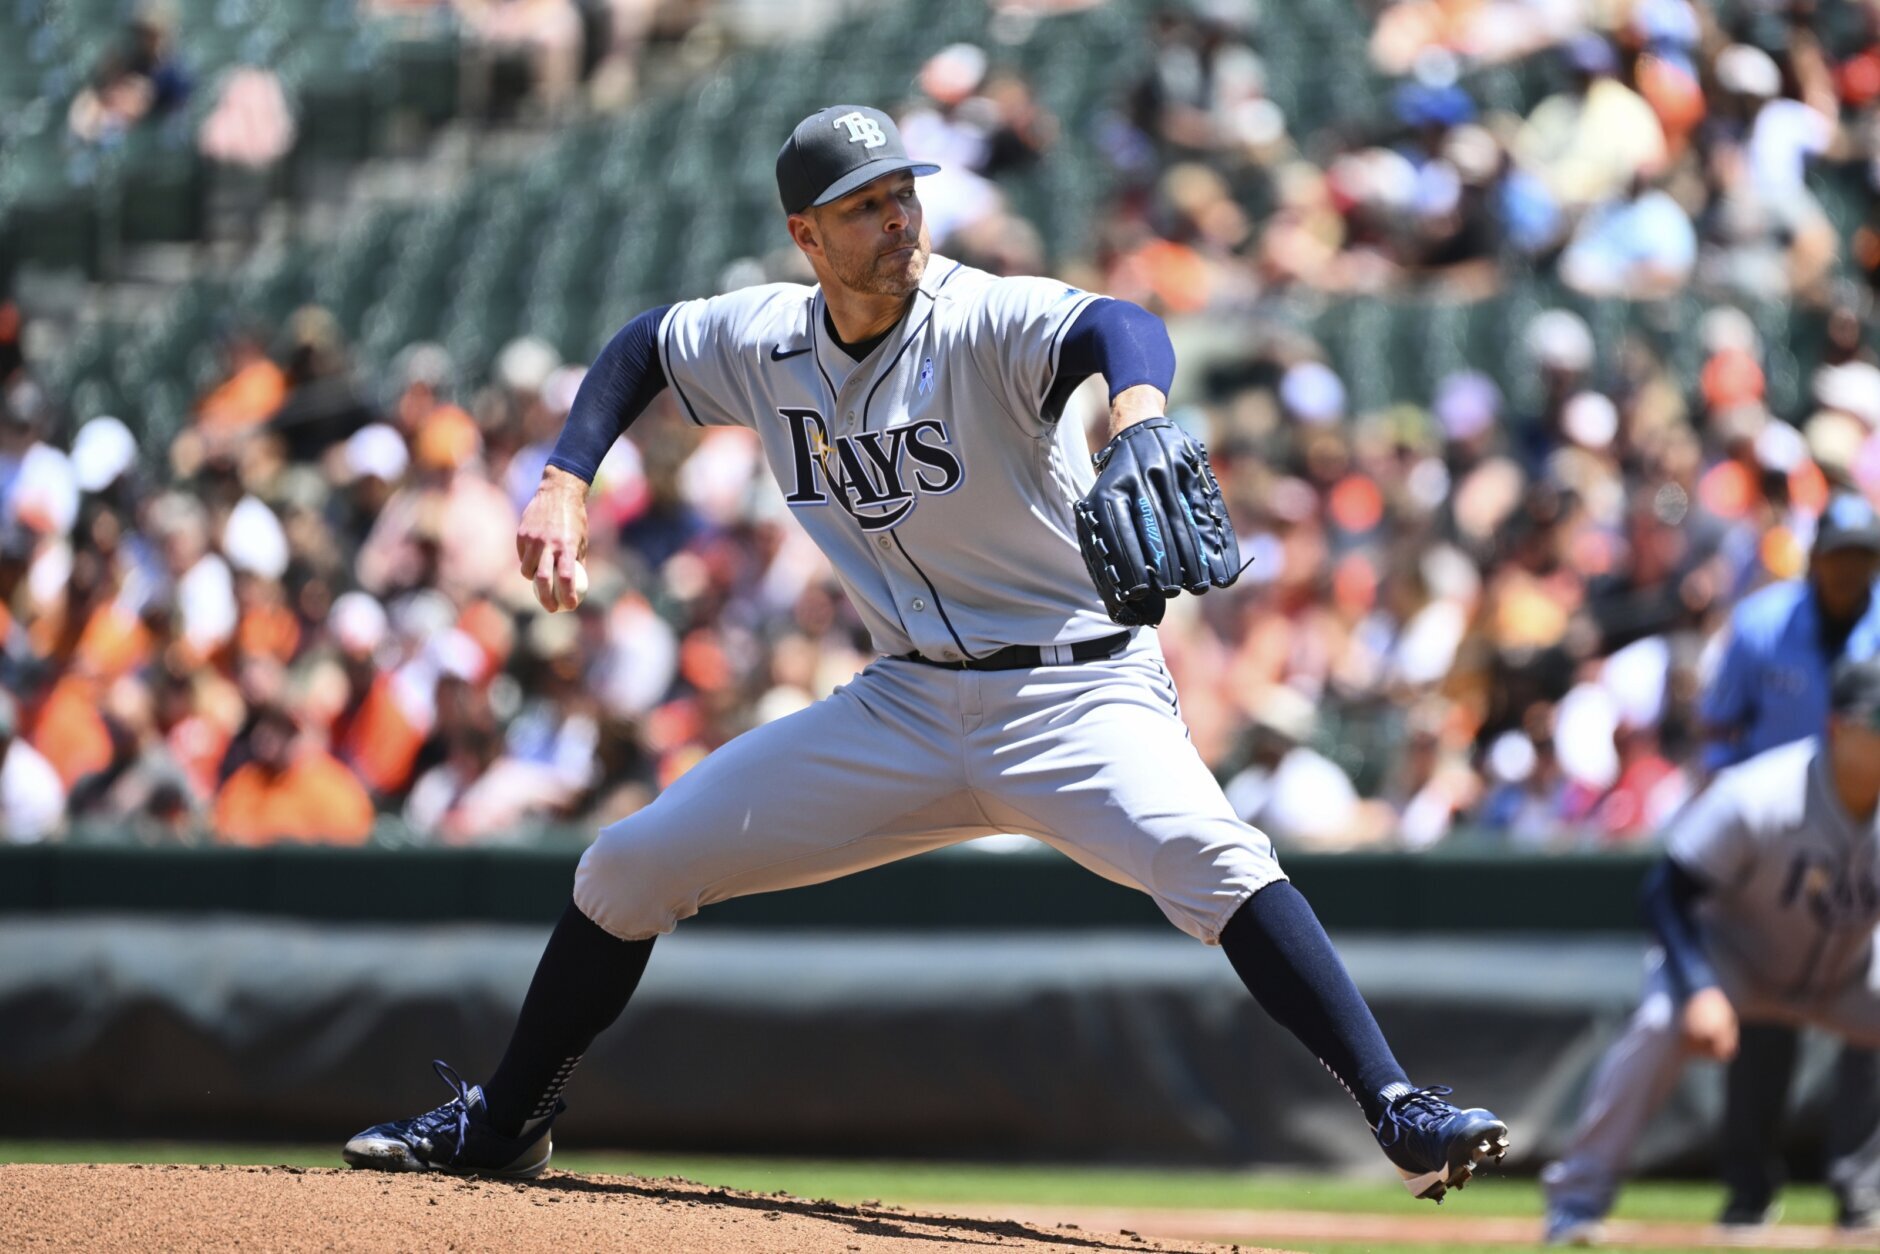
{"x":908,"y":406}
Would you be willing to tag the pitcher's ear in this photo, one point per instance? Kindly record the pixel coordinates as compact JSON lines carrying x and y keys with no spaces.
{"x":802,"y":230}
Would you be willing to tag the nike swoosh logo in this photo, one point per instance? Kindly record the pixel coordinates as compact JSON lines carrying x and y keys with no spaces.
{"x":778,"y":354}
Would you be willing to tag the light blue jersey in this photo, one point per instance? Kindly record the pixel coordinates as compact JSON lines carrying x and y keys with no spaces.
{"x":1771,"y":685}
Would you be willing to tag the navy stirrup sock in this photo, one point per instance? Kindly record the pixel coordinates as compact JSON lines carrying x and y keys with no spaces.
{"x":1283,"y":956}
{"x":581,"y":985}
{"x":1274,"y":941}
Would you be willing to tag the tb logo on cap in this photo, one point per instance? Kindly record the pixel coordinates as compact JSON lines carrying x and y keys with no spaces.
{"x":863,"y":129}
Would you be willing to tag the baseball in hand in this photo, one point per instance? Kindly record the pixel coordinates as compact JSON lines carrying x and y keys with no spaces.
{"x":553,"y":594}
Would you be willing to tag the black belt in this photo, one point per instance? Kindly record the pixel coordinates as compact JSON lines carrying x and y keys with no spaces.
{"x":1018,"y":657}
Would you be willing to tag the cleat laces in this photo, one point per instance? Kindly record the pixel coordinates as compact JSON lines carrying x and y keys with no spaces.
{"x":1416,"y":1110}
{"x":453,"y":1116}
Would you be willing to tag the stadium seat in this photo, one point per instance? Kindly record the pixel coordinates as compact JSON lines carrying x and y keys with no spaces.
{"x":622,"y":213}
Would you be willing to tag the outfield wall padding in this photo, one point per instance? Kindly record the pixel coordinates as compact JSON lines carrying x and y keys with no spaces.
{"x":1104,"y":1045}
{"x":949,"y":890}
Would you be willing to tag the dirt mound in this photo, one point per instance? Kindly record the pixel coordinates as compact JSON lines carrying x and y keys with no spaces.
{"x":1452,"y":1230}
{"x":100,"y":1207}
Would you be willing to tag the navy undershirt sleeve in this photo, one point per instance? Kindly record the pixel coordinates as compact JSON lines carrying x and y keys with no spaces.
{"x":1670,"y":893}
{"x":619,"y":386}
{"x":1119,"y":340}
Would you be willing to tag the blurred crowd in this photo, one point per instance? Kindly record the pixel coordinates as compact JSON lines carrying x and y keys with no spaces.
{"x":1468,"y":613}
{"x":1664,"y":145}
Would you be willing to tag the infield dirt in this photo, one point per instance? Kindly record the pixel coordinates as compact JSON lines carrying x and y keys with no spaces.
{"x":174,"y":1207}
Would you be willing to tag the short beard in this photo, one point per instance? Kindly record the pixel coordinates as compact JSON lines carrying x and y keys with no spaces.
{"x":884,"y":276}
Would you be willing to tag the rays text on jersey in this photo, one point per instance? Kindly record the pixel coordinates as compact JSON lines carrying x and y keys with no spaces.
{"x":870,"y":471}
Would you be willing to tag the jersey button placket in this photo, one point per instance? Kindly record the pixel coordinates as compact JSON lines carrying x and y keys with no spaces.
{"x":919,"y":604}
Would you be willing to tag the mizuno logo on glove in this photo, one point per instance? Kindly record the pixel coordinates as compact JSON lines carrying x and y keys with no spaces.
{"x":1152,"y":529}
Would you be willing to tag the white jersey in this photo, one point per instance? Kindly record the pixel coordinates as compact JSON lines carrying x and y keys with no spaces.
{"x":1795,"y":882}
{"x":927,"y":472}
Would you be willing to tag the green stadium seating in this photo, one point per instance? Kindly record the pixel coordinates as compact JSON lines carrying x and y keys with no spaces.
{"x":622,"y":213}
{"x":63,"y":209}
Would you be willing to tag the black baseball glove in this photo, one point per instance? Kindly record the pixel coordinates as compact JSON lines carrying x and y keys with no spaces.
{"x":1154,"y":524}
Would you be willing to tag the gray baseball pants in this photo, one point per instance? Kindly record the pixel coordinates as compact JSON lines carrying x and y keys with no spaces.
{"x":1643,"y":1066}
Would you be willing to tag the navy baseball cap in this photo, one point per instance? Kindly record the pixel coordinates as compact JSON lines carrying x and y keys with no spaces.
{"x":1849,"y":522}
{"x":835,"y":150}
{"x":1854,"y":690}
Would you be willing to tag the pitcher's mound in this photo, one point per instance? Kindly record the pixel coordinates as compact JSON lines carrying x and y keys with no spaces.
{"x":104,"y":1207}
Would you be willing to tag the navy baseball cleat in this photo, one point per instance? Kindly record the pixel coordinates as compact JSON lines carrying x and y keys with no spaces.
{"x":1740,"y":1213}
{"x":1567,"y":1227}
{"x":1435,"y":1146}
{"x":456,"y":1138}
{"x":1856,"y":1209}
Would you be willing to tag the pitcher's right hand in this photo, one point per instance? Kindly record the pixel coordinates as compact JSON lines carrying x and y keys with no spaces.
{"x":551,"y":541}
